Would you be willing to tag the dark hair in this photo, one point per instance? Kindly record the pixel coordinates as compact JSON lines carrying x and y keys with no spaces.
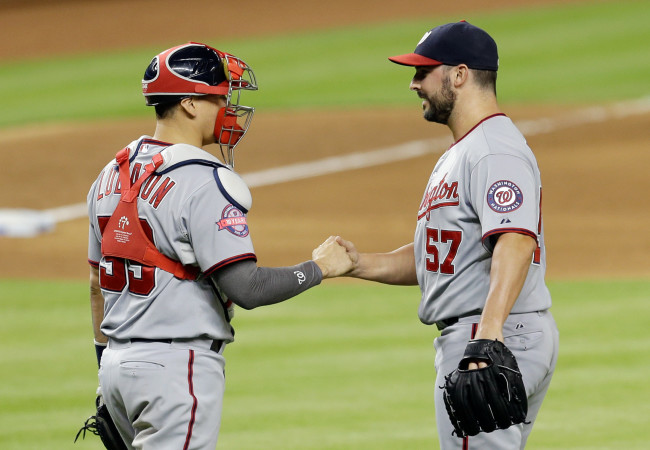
{"x":486,"y":79}
{"x":166,"y":105}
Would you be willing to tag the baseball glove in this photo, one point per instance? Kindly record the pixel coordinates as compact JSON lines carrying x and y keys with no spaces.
{"x":485,"y":399}
{"x":102,"y":425}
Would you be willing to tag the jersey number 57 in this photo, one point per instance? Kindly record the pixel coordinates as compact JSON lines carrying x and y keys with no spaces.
{"x":450,"y":239}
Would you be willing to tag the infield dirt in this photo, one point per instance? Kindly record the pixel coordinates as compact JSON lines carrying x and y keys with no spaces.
{"x":596,"y":207}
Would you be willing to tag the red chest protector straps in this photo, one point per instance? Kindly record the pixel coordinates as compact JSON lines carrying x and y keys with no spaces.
{"x":123,"y":236}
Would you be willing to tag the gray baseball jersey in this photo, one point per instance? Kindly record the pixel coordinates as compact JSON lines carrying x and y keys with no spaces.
{"x":485,"y":184}
{"x":190,"y":219}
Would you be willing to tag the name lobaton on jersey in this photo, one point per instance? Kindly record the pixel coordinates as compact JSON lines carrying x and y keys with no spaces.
{"x":155,"y":189}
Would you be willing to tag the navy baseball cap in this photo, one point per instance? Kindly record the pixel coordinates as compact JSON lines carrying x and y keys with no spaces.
{"x":453,"y":44}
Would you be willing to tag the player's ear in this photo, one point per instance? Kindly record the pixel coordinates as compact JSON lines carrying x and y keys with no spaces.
{"x":459,"y":75}
{"x":188,"y":105}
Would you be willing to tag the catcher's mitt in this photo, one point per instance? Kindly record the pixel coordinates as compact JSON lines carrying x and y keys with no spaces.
{"x":102,"y":425}
{"x":488,"y":398}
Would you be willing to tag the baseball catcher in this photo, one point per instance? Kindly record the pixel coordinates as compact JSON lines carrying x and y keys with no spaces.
{"x":489,"y":398}
{"x":170,"y":253}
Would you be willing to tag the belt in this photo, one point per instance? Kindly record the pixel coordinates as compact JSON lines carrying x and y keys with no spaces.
{"x":444,"y":323}
{"x":215,"y":346}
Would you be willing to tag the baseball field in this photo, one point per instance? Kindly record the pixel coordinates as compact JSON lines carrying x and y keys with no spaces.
{"x":337,"y":146}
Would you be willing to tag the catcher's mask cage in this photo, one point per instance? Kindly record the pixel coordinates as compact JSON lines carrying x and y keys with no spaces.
{"x":195,"y":69}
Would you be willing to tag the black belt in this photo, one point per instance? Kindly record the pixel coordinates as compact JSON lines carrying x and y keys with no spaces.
{"x":444,"y":323}
{"x":215,"y":346}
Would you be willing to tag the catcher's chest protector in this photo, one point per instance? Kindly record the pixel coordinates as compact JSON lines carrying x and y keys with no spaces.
{"x":123,"y":236}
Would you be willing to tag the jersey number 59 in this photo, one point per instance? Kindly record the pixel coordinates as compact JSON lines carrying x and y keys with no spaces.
{"x":450,"y":239}
{"x":115,"y":273}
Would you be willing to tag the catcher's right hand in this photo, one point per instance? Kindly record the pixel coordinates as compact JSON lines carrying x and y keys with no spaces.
{"x":488,"y":398}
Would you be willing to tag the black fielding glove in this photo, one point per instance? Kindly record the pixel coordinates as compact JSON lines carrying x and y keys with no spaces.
{"x":486,"y":399}
{"x":102,"y":425}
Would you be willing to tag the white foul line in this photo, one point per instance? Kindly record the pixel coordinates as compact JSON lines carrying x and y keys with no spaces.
{"x":342,"y":163}
{"x":402,"y":152}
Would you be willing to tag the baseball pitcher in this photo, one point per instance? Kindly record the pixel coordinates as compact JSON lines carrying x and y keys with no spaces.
{"x":478,"y":253}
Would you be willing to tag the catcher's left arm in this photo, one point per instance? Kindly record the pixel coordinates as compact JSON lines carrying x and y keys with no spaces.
{"x":101,"y":423}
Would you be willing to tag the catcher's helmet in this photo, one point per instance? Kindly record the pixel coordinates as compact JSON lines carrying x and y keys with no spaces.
{"x":198,"y":69}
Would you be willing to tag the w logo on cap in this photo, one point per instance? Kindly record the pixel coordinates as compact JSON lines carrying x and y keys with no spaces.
{"x":453,"y":44}
{"x":426,"y":35}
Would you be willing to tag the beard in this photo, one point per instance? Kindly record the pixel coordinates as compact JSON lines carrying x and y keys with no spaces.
{"x":441,"y":105}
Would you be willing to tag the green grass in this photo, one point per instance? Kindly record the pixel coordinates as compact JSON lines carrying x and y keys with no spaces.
{"x":344,"y":366}
{"x":586,"y":52}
